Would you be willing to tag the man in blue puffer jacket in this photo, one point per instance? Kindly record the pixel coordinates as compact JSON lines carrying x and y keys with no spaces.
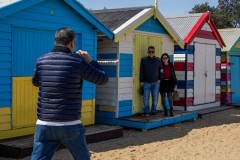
{"x":59,"y":76}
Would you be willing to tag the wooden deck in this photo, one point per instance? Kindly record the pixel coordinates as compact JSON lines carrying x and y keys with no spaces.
{"x":22,"y":146}
{"x":235,"y":104}
{"x":204,"y":112}
{"x":145,"y":123}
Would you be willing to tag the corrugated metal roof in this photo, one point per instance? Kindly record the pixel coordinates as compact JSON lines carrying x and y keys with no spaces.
{"x":230,"y":36}
{"x":183,"y":24}
{"x":114,"y":18}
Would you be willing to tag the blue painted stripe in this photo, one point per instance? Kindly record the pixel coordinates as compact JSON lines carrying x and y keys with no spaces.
{"x":107,"y":56}
{"x":4,"y":35}
{"x":5,"y":65}
{"x":178,"y":48}
{"x":5,"y":57}
{"x":126,"y":62}
{"x":218,"y":51}
{"x":5,"y":80}
{"x":124,"y":113}
{"x":110,"y":70}
{"x":155,"y":124}
{"x":109,"y":121}
{"x":5,"y":49}
{"x":126,"y":56}
{"x":5,"y":73}
{"x":88,"y":90}
{"x":190,"y":50}
{"x":125,"y":108}
{"x":5,"y":43}
{"x":125,"y":103}
{"x":125,"y":74}
{"x":182,"y":84}
{"x":5,"y":28}
{"x":152,"y":25}
{"x":171,"y":58}
{"x":88,"y":96}
{"x":5,"y":96}
{"x":125,"y":68}
{"x":218,"y":82}
{"x":133,"y":124}
{"x":97,"y":107}
{"x":5,"y":103}
{"x":88,"y":84}
{"x":180,"y":52}
{"x":105,"y":114}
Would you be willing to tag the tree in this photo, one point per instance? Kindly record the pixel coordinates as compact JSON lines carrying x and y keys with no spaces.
{"x":225,"y":15}
{"x":230,"y":9}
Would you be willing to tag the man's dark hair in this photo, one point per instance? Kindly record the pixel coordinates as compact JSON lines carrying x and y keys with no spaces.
{"x":64,"y":36}
{"x":151,"y":47}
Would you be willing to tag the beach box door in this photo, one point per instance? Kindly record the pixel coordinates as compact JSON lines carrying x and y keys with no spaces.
{"x":235,"y":78}
{"x":141,"y":43}
{"x":204,"y":73}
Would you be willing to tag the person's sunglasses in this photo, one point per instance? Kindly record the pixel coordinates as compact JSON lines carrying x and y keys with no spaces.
{"x":164,"y":58}
{"x":151,"y":51}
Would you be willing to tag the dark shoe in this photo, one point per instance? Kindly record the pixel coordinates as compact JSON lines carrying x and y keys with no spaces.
{"x":145,"y":115}
{"x":165,"y":111}
{"x":171,"y":114}
{"x":153,"y":113}
{"x":165,"y":114}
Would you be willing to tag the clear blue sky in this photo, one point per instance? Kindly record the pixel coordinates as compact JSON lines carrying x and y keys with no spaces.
{"x":166,"y":7}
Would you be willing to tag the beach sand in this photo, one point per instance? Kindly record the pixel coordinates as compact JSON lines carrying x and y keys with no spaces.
{"x":214,"y":137}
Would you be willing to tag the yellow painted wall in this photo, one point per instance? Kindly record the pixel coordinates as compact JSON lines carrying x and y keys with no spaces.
{"x":22,"y":119}
{"x":141,"y":43}
{"x":88,"y":112}
{"x":5,"y":118}
{"x":24,"y":102}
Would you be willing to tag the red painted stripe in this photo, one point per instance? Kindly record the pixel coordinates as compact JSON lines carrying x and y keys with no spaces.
{"x":205,"y":34}
{"x":225,"y":64}
{"x":218,"y":95}
{"x":225,"y":78}
{"x":225,"y":75}
{"x":218,"y":99}
{"x":218,"y":67}
{"x":226,"y":94}
{"x":181,"y":102}
{"x":180,"y":66}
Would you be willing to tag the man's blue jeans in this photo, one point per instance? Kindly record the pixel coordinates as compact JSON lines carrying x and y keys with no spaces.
{"x":152,"y":88}
{"x":48,"y":138}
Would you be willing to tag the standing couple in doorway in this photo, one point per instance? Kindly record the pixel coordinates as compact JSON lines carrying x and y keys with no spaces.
{"x":157,"y":75}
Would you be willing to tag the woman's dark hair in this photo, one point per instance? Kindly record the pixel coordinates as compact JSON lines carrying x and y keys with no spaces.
{"x":165,"y":54}
{"x":64,"y":36}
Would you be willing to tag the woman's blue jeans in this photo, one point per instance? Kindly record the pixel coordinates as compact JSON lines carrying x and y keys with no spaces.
{"x":48,"y":138}
{"x":152,"y":88}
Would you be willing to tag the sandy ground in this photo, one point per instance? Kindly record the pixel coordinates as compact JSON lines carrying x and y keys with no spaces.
{"x":215,"y":137}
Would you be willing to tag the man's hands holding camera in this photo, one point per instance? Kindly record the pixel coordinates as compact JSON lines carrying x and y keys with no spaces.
{"x":84,"y":55}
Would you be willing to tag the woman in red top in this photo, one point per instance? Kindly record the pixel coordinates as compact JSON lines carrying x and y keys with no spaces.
{"x":168,"y":84}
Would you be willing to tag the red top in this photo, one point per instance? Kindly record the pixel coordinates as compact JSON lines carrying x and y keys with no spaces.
{"x":166,"y":71}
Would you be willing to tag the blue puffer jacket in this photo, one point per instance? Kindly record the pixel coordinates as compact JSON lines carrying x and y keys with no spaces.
{"x":59,"y":76}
